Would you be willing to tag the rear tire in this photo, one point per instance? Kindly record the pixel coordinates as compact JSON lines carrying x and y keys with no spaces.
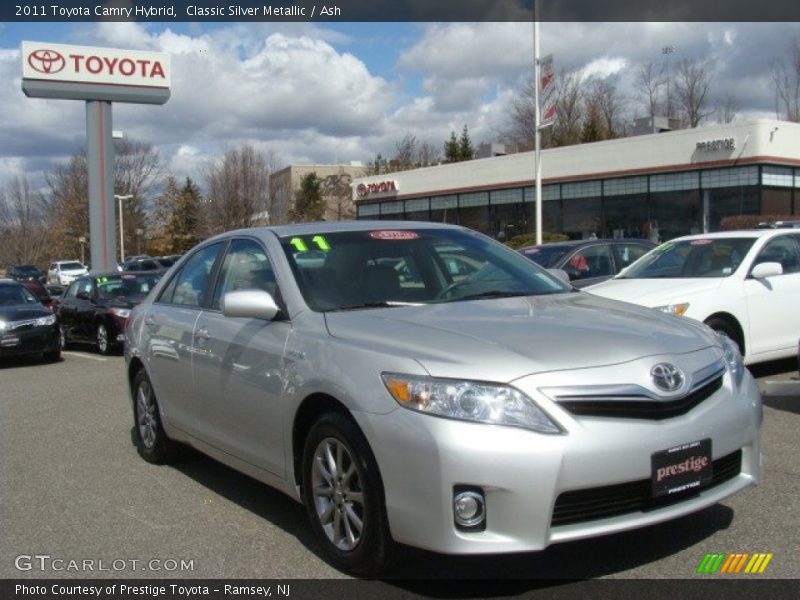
{"x":151,"y":441}
{"x":343,"y":494}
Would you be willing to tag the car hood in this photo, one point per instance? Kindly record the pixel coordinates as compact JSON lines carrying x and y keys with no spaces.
{"x":654,"y":292}
{"x":23,"y":312}
{"x":504,"y":339}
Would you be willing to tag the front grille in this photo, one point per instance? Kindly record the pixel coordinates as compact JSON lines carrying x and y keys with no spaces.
{"x":591,"y":504}
{"x":640,"y":408}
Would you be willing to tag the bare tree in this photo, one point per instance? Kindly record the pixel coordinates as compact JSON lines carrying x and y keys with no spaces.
{"x":521,"y":127}
{"x":67,"y":203}
{"x":691,"y":88}
{"x":602,"y":105}
{"x":727,"y":108}
{"x":570,"y":111}
{"x":649,"y":80}
{"x":237,"y":189}
{"x":787,"y":85}
{"x":21,"y":224}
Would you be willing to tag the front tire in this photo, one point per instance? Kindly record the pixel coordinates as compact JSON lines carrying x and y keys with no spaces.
{"x":343,"y":494}
{"x":151,"y":441}
{"x":101,"y":340}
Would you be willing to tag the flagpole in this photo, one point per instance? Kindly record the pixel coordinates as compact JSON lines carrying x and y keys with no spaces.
{"x":537,"y":122}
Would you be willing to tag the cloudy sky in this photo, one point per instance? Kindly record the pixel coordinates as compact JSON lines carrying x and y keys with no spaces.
{"x":322,"y":94}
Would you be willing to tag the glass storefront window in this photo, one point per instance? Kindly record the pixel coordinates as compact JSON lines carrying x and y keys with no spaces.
{"x":733,"y":201}
{"x":776,"y":201}
{"x":674,"y":214}
{"x":582,"y":218}
{"x":444,"y":209}
{"x":626,"y":216}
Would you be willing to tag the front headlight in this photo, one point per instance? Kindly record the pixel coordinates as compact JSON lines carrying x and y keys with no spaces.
{"x":3,"y":325}
{"x":122,"y":313}
{"x":733,"y":358}
{"x":45,"y":321}
{"x":674,"y":309}
{"x":468,"y":401}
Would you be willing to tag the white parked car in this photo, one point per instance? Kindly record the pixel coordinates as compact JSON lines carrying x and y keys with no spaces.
{"x":64,"y":272}
{"x":744,"y":284}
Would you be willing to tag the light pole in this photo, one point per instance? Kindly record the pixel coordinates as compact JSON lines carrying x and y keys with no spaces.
{"x":666,"y":51}
{"x":120,"y":198}
{"x":82,"y":242}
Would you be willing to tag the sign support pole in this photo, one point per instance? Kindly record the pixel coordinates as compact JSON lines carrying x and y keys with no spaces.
{"x":537,"y":121}
{"x":100,"y":162}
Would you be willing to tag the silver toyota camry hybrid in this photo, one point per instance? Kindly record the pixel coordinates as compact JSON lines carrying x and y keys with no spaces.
{"x":420,"y":383}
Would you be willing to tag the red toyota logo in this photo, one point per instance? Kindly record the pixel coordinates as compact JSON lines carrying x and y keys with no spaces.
{"x":361,"y":189}
{"x":46,"y":61}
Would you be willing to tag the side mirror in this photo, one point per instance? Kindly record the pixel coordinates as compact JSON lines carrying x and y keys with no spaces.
{"x":560,"y":274}
{"x":250,"y":304}
{"x":766,"y":269}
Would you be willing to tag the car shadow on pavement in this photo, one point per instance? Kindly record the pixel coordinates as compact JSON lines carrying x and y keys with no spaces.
{"x":785,"y":403}
{"x":17,"y":362}
{"x":259,"y":498}
{"x":415,"y":568}
{"x":773,"y":367}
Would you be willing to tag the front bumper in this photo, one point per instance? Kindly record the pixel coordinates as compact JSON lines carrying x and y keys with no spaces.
{"x":522,"y":473}
{"x":30,"y":341}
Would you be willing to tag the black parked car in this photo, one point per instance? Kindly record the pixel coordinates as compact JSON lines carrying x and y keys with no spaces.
{"x":145,"y":264}
{"x":26,"y":273}
{"x":26,"y":327}
{"x":95,"y":308}
{"x":588,"y":261}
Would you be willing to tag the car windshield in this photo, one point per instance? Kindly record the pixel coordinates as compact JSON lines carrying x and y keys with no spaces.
{"x":385,"y":267}
{"x":706,"y":257}
{"x":113,"y":287}
{"x":545,"y":256}
{"x":11,"y":295}
{"x":28,"y":271}
{"x":71,"y":266}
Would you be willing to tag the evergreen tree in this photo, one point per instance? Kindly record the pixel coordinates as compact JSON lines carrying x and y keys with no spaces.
{"x":465,"y":149}
{"x":309,"y":204}
{"x":451,"y":150}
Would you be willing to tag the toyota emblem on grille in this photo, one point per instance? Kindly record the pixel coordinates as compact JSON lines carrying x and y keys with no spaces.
{"x":46,"y":61}
{"x":667,"y":377}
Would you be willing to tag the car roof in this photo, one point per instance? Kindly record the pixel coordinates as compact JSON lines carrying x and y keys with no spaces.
{"x":336,"y":227}
{"x":733,"y":233}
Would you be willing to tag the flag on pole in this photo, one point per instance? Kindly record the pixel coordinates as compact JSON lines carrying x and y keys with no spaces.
{"x":547,"y":92}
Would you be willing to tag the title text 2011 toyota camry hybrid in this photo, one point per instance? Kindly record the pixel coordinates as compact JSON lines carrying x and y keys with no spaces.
{"x":423,"y":384}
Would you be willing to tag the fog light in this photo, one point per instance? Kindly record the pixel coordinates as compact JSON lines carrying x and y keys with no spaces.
{"x":469,"y":509}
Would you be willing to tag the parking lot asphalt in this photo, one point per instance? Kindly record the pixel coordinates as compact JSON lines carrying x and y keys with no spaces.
{"x":74,"y":489}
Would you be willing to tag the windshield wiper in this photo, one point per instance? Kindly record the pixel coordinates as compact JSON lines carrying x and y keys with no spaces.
{"x":493,"y":294}
{"x":381,"y":304}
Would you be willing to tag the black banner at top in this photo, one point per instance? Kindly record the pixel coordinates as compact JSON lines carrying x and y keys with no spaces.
{"x":399,"y":10}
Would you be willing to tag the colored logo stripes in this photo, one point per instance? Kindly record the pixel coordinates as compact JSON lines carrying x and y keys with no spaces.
{"x":735,"y":562}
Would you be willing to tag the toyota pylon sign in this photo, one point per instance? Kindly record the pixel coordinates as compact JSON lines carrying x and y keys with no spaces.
{"x":48,"y":68}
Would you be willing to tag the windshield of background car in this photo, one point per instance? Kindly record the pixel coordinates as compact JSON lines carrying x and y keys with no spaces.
{"x":71,"y":266}
{"x":112,"y":287}
{"x":545,"y":256}
{"x":11,"y":295}
{"x":706,"y":257}
{"x":28,"y":271}
{"x":384,"y":267}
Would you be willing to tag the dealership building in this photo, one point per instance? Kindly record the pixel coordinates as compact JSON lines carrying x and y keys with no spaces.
{"x":656,"y":186}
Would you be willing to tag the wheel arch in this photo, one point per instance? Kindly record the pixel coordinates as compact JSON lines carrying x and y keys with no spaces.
{"x":310,"y":409}
{"x":134,"y":367}
{"x":734,"y":323}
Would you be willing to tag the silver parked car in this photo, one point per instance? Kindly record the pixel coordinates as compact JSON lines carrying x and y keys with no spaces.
{"x":423,"y":384}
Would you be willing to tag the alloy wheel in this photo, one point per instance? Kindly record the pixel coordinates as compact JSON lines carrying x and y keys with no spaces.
{"x":338,"y":495}
{"x":145,"y":414}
